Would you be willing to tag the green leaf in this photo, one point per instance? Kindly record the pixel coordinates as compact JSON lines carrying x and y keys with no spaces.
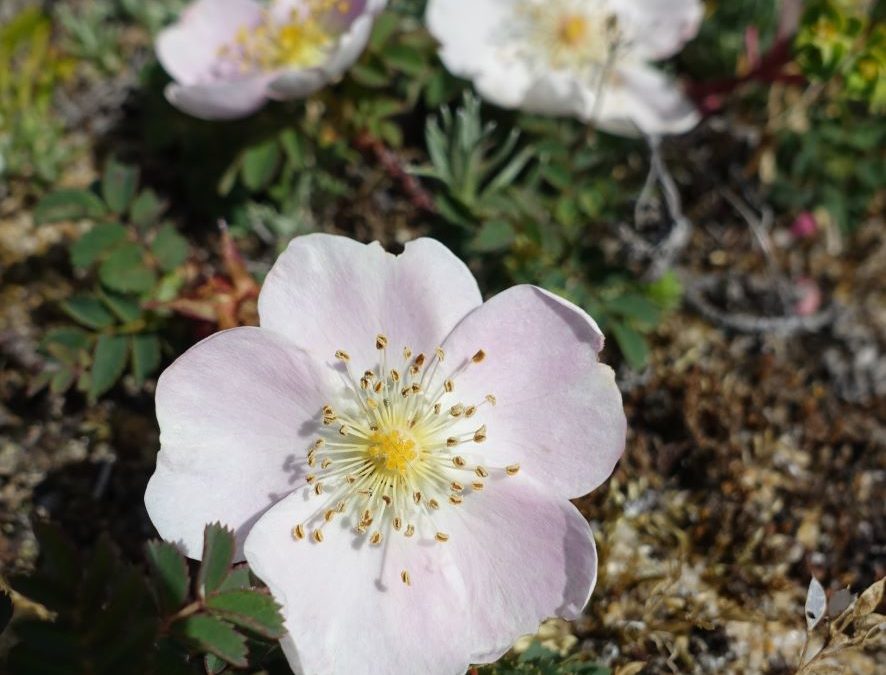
{"x":68,"y":336}
{"x":237,"y":579}
{"x":494,"y":235}
{"x":119,"y":184}
{"x":147,"y":208}
{"x":636,"y":308}
{"x":260,"y":164}
{"x":108,"y":362}
{"x":218,"y":554}
{"x":125,"y":270}
{"x":88,"y":311}
{"x":169,"y":247}
{"x":145,"y":356}
{"x":632,"y":344}
{"x":170,"y":573}
{"x":372,"y":76}
{"x":383,"y":28}
{"x":216,"y":637}
{"x":125,"y":307}
{"x":406,"y":59}
{"x":253,"y":610}
{"x":62,"y":380}
{"x":213,"y":664}
{"x":69,"y":204}
{"x":99,"y":239}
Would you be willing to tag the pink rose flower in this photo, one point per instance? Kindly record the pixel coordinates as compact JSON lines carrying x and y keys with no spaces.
{"x":588,"y":59}
{"x":229,"y":57}
{"x":395,"y":456}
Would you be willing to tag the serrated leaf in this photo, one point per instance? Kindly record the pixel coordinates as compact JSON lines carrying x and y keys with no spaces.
{"x":218,"y":554}
{"x":146,"y":209}
{"x":260,"y":164}
{"x":169,"y":247}
{"x":249,"y":609}
{"x":69,"y":204}
{"x":213,"y":665}
{"x":632,"y":344}
{"x":125,"y":308}
{"x":145,"y":356}
{"x":108,"y":363}
{"x":216,"y":637}
{"x":119,"y":183}
{"x":68,"y":336}
{"x":92,"y":244}
{"x":237,"y":579}
{"x":170,"y":573}
{"x":125,"y":270}
{"x":88,"y":311}
{"x":816,"y":603}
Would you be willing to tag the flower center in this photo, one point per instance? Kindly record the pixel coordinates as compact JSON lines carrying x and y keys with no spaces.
{"x":396,"y":448}
{"x":302,"y":38}
{"x":393,"y":451}
{"x":573,"y":29}
{"x":567,"y":34}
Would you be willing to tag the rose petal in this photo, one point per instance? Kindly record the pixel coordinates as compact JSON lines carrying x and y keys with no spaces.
{"x":221,"y":100}
{"x":558,"y":412}
{"x":327,"y":293}
{"x":349,"y":48}
{"x":644,"y":100}
{"x":294,"y":84}
{"x":659,"y":28}
{"x":346,"y":607}
{"x":473,"y":48}
{"x":236,"y":418}
{"x":188,"y":49}
{"x":511,"y":592}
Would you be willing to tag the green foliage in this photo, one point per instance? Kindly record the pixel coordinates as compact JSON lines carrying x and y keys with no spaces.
{"x":109,"y":617}
{"x":539,"y":660}
{"x":133,"y":258}
{"x":31,"y":146}
{"x":840,"y":41}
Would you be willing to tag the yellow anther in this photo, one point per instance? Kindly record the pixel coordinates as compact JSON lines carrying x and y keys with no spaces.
{"x":470,"y":410}
{"x":448,"y":386}
{"x":455,"y":499}
{"x":434,"y":504}
{"x":480,"y":434}
{"x":441,"y":536}
{"x":318,"y":536}
{"x":404,"y":577}
{"x":410,"y":530}
{"x":375,"y":539}
{"x":455,"y":486}
{"x":298,"y":532}
{"x":477,"y":485}
{"x":459,"y":461}
{"x":512,"y":470}
{"x":342,"y":355}
{"x":479,"y":356}
{"x":381,"y":341}
{"x":491,"y":399}
{"x":481,"y":472}
{"x":407,"y":352}
{"x":451,"y":442}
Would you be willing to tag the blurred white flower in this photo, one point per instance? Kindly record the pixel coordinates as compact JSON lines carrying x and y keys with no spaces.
{"x":583,"y":58}
{"x":228,"y":57}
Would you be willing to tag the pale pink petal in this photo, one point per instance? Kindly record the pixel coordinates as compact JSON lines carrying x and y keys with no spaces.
{"x":188,"y":49}
{"x":658,"y":29}
{"x":294,"y":84}
{"x":558,"y":93}
{"x":236,"y":412}
{"x":524,"y":557}
{"x":221,"y":99}
{"x":644,"y":100}
{"x":349,"y":47}
{"x":327,"y":293}
{"x":558,"y":412}
{"x":346,"y":607}
{"x":474,"y":45}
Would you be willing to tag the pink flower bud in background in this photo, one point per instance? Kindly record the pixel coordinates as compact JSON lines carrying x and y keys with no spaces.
{"x":804,"y":226}
{"x":809,"y":294}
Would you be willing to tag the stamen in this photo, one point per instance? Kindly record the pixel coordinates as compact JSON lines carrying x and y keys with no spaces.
{"x":318,"y":536}
{"x":342,"y":355}
{"x":441,"y":536}
{"x":380,"y":341}
{"x":479,"y":356}
{"x":298,"y":532}
{"x":404,"y":576}
{"x":512,"y":469}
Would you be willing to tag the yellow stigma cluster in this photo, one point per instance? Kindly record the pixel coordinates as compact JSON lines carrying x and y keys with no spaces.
{"x":575,"y":34}
{"x":397,"y":448}
{"x":301,"y":39}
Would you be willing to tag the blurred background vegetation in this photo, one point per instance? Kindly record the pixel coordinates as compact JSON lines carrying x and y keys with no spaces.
{"x":749,"y":251}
